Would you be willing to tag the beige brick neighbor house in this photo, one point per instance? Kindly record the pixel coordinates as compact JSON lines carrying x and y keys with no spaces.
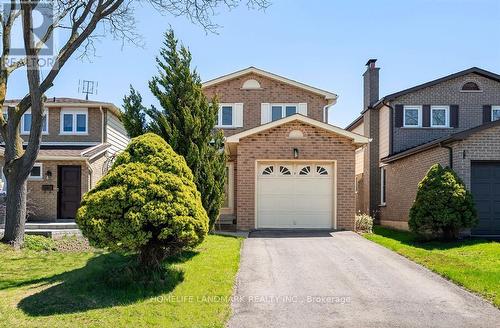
{"x":80,"y":139}
{"x":288,"y":167}
{"x":454,"y":121}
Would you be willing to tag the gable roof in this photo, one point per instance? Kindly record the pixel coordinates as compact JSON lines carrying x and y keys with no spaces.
{"x":475,"y":70}
{"x":258,"y":71}
{"x":71,"y":102}
{"x":458,"y":136}
{"x":356,"y":138}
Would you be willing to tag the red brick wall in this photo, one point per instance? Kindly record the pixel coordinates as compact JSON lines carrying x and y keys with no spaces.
{"x":272,"y":92}
{"x":274,"y":144}
{"x":403,"y":177}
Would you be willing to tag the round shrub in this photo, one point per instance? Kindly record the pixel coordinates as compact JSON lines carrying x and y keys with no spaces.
{"x":146,"y":203}
{"x":443,"y":205}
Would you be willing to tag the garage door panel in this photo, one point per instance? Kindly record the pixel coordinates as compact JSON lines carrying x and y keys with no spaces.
{"x":276,"y":203}
{"x":485,"y":187}
{"x":295,"y":200}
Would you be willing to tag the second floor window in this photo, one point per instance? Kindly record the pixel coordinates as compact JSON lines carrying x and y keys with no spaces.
{"x":230,"y":116}
{"x":26,"y":123}
{"x":440,"y":116}
{"x":74,"y":121}
{"x":495,"y":113}
{"x":412,"y":116}
{"x":279,"y":111}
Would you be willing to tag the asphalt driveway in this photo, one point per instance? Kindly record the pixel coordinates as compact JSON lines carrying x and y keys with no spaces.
{"x":318,"y":279}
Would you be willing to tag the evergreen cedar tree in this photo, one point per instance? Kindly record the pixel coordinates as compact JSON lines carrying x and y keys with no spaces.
{"x":147,"y":203}
{"x":133,"y":114}
{"x":186,"y":120}
{"x":443,"y":205}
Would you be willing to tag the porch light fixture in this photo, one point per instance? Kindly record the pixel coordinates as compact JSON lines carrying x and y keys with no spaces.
{"x":295,"y":153}
{"x":48,"y":174}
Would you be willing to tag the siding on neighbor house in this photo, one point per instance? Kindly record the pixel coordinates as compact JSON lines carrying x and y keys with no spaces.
{"x":116,"y":135}
{"x":446,"y":93}
{"x":272,"y":91}
{"x":384,"y":131}
{"x":273,"y":144}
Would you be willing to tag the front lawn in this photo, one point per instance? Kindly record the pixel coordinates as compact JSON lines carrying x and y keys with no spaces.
{"x":473,"y":264}
{"x":70,"y":289}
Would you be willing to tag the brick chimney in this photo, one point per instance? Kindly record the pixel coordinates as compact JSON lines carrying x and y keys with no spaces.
{"x":370,"y":84}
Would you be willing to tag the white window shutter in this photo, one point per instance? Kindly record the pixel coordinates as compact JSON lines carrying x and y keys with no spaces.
{"x":303,"y":109}
{"x":265,"y":113}
{"x":238,"y":115}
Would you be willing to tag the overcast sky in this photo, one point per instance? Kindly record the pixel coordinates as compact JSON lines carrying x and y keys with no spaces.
{"x":321,"y":43}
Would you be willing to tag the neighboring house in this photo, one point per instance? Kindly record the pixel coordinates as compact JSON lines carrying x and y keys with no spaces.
{"x":287,"y":167}
{"x":79,"y":141}
{"x":454,"y":121}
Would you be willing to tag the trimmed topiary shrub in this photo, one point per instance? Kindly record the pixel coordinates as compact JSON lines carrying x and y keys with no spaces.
{"x":146,"y":203}
{"x":364,"y":223}
{"x":443,"y":205}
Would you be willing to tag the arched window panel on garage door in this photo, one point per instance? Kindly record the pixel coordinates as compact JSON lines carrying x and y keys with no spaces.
{"x":305,"y":170}
{"x":267,"y":170}
{"x":323,"y":170}
{"x":285,"y":170}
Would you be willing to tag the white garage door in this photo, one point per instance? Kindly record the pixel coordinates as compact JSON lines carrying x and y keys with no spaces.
{"x":294,"y":195}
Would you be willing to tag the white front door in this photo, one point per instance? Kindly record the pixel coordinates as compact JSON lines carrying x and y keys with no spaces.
{"x":295,"y":195}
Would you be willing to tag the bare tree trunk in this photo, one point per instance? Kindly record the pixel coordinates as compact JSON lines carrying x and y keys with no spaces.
{"x":15,"y":218}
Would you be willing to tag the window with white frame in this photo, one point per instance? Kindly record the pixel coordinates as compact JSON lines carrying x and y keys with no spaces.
{"x":225,"y":115}
{"x":495,"y":113}
{"x":412,"y":116}
{"x":440,"y":116}
{"x":36,"y":172}
{"x":74,"y":121}
{"x":26,"y":122}
{"x":383,"y":185}
{"x":278,"y":111}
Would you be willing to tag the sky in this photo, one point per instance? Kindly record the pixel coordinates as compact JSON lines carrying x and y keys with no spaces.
{"x":321,"y":43}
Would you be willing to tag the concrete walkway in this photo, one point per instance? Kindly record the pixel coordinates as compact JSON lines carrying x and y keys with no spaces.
{"x":318,"y":279}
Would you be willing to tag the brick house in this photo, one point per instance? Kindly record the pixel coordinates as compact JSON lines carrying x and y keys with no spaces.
{"x":79,"y":141}
{"x":287,"y":167}
{"x":454,"y":121}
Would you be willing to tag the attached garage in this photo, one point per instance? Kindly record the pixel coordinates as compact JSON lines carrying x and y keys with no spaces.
{"x":485,"y":187}
{"x":297,"y":195}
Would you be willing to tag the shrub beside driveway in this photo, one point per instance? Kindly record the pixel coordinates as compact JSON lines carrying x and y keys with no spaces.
{"x":473,"y":264}
{"x":75,"y":289}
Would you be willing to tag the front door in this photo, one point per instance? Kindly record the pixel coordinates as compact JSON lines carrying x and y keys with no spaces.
{"x":69,"y":181}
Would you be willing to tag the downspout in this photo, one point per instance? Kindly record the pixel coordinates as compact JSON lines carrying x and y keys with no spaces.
{"x":325,"y":108}
{"x":450,"y":150}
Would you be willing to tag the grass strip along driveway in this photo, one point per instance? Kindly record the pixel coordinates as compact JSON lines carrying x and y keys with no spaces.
{"x":74,"y":289}
{"x":472,"y":263}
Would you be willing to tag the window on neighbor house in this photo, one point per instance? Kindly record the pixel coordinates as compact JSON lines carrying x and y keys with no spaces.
{"x":470,"y":86}
{"x":412,"y":116}
{"x":74,"y":121}
{"x":440,"y":116}
{"x":36,"y":171}
{"x":495,"y":113}
{"x":383,"y":185}
{"x":26,"y":123}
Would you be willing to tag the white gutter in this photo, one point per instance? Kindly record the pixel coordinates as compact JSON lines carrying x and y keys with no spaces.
{"x":325,"y":109}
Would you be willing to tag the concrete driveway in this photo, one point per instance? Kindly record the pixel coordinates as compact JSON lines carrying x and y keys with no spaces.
{"x":318,"y":279}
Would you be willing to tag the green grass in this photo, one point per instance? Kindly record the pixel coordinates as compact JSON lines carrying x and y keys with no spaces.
{"x":473,"y":264}
{"x":68,"y":289}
